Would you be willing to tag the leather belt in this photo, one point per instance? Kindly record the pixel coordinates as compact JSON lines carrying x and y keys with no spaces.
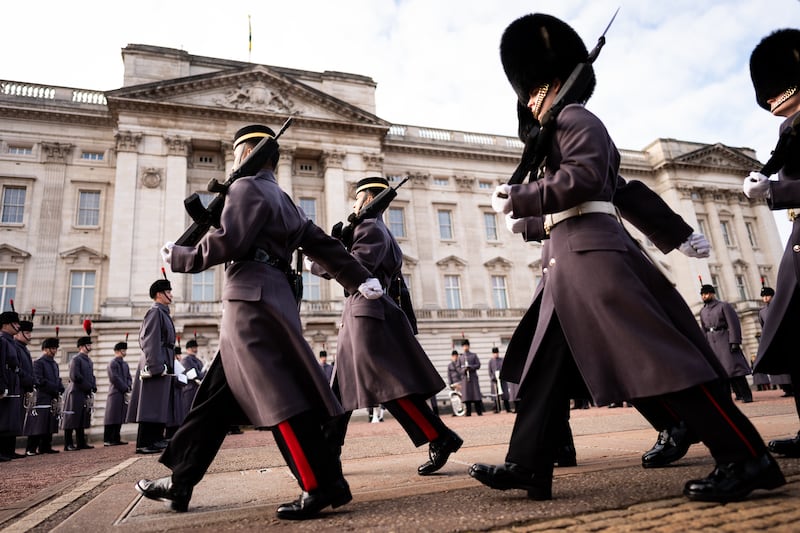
{"x":262,"y":256}
{"x":606,"y":208}
{"x":718,"y":328}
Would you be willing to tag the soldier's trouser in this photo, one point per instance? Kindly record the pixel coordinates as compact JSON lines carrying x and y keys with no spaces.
{"x":149,"y":433}
{"x":8,"y":444}
{"x":193,"y":447}
{"x":741,"y":388}
{"x":707,"y":409}
{"x":80,"y":437}
{"x":111,"y":433}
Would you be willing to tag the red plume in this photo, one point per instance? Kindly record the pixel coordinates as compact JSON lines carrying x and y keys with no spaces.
{"x":87,"y":326}
{"x":56,"y":332}
{"x":33,"y":314}
{"x":763,"y":282}
{"x":163,"y":272}
{"x":178,"y":340}
{"x":12,"y":304}
{"x":126,"y":337}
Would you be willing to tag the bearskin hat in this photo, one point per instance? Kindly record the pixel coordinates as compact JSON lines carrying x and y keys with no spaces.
{"x":775,"y":65}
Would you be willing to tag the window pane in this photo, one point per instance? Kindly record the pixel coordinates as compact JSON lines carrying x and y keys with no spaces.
{"x":89,"y":208}
{"x":397,"y":223}
{"x":13,"y":205}
{"x":452,"y":292}
{"x":311,"y":290}
{"x":309,"y":207}
{"x":499,"y":294}
{"x":203,"y":286}
{"x":445,"y":224}
{"x":490,"y":223}
{"x":8,"y":288}
{"x":81,"y":292}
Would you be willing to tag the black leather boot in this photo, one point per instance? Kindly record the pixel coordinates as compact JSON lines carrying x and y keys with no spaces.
{"x":309,"y":504}
{"x":734,"y":481}
{"x":439,"y":451}
{"x":511,"y":476}
{"x":672,"y":444}
{"x":786,"y":447}
{"x":163,"y":489}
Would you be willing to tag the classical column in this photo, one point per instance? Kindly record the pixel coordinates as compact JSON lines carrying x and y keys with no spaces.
{"x":175,"y":190}
{"x":748,"y":253}
{"x":50,"y":221}
{"x":119,"y":289}
{"x":336,"y":191}
{"x":284,"y":171}
{"x":721,"y":253}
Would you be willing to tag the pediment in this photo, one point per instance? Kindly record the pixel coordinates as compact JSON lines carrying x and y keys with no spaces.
{"x":12,"y":254}
{"x":252,"y":89}
{"x":409,"y":261}
{"x":451,"y":261}
{"x":82,"y":252}
{"x":718,"y":156}
{"x":498,"y":263}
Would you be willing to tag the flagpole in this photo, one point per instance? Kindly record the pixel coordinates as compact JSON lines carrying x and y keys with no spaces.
{"x":249,"y":38}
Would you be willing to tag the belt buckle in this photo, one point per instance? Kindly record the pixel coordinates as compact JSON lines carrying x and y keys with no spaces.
{"x":548,"y":224}
{"x":792,"y":214}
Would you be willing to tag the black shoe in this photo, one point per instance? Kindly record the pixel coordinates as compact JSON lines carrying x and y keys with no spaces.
{"x":4,"y":459}
{"x":511,"y":476}
{"x":161,"y":444}
{"x":148,"y":450}
{"x":165,"y":490}
{"x":31,"y":453}
{"x":49,"y":450}
{"x":439,"y":451}
{"x":16,"y":455}
{"x":734,"y":481}
{"x":70,"y":448}
{"x":672,"y":444}
{"x":787,"y":447}
{"x":120,"y":443}
{"x":566,"y":457}
{"x":85,"y":447}
{"x":309,"y":504}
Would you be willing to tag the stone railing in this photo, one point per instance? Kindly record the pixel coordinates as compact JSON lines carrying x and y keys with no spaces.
{"x":49,"y":92}
{"x":402,"y":132}
{"x":65,"y":319}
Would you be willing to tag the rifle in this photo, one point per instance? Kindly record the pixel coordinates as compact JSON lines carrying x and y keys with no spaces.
{"x":205,"y":217}
{"x":778,"y":158}
{"x":539,"y":136}
{"x":372,"y":209}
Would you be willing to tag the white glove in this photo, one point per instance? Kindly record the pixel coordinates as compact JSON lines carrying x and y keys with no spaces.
{"x":756,"y":186}
{"x":515,"y":225}
{"x":307,"y":262}
{"x":192,"y":373}
{"x":501,"y":199}
{"x":371,"y":289}
{"x":695,"y":246}
{"x":182,"y":378}
{"x":166,"y":251}
{"x":3,"y":393}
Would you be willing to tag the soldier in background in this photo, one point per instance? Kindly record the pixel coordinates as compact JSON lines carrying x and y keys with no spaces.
{"x":495,"y":366}
{"x":453,"y":372}
{"x":469,"y":363}
{"x":26,"y":377}
{"x":152,"y":393}
{"x":79,"y":396}
{"x":120,"y":382}
{"x":42,"y":421}
{"x":193,"y":370}
{"x":11,"y":405}
{"x":724,"y":333}
{"x":326,"y":367}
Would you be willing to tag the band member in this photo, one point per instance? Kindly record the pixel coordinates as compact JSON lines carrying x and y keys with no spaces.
{"x":193,"y":370}
{"x":79,"y":396}
{"x":43,"y":419}
{"x":568,"y":342}
{"x":152,"y":398}
{"x":469,"y":364}
{"x":265,"y":373}
{"x":26,"y":377}
{"x":11,"y":404}
{"x":119,"y":386}
{"x":378,"y":359}
{"x":775,"y":71}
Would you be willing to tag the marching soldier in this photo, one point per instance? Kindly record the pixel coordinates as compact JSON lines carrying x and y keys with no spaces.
{"x":775,"y":71}
{"x":43,"y":419}
{"x":566,"y":345}
{"x":469,"y":363}
{"x":724,"y":334}
{"x":79,"y":395}
{"x":11,"y":404}
{"x":120,"y":382}
{"x":265,"y":373}
{"x":378,"y":359}
{"x":152,"y":398}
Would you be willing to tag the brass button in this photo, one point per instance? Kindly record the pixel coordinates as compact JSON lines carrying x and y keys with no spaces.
{"x":796,"y":248}
{"x":553,"y":259}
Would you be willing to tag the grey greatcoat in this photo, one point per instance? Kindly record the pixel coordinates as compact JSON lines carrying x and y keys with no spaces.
{"x":777,"y":351}
{"x":270,"y":368}
{"x":775,"y":379}
{"x":469,"y":363}
{"x":152,"y":397}
{"x":630,"y":332}
{"x":378,"y":358}
{"x":78,"y":396}
{"x":48,"y":389}
{"x":26,"y":380}
{"x":120,"y":382}
{"x":453,"y":373}
{"x":722,"y":327}
{"x":495,"y":366}
{"x":11,"y":418}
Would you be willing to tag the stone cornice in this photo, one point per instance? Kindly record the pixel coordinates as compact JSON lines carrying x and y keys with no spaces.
{"x":177,"y":146}
{"x":128,"y":141}
{"x":332,"y":159}
{"x":56,"y":152}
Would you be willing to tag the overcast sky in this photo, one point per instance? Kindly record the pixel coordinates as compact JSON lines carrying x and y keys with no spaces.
{"x":674,"y":68}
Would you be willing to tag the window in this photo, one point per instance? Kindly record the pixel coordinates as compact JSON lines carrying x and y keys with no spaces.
{"x":203,"y":286}
{"x":499,"y":294}
{"x":727,"y":238}
{"x":751,"y":234}
{"x":441,"y":182}
{"x":8,"y":288}
{"x":205,"y":159}
{"x":311,"y":289}
{"x":92,"y":156}
{"x":20,"y":150}
{"x":452,"y":292}
{"x":309,"y":207}
{"x":89,"y":208}
{"x":397,"y":221}
{"x":445,"y":224}
{"x":81,"y":292}
{"x":717,"y":286}
{"x":306,"y":166}
{"x":13,"y":205}
{"x":741,"y":288}
{"x":701,"y":226}
{"x":484,"y":185}
{"x":490,"y":225}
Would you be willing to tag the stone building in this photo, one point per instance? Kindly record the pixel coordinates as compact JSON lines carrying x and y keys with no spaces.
{"x":93,"y":183}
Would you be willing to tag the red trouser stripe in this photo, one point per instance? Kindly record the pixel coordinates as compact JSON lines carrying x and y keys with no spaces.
{"x":307,"y":477}
{"x":729,"y":421}
{"x":418,"y":418}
